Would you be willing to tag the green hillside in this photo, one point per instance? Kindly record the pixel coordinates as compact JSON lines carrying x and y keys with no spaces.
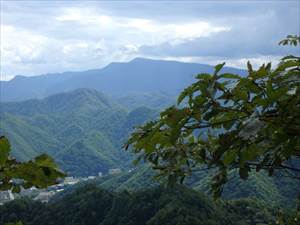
{"x":83,"y":130}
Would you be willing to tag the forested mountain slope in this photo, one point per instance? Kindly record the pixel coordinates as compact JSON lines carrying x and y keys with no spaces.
{"x":83,"y":130}
{"x":158,"y":206}
{"x":281,"y":191}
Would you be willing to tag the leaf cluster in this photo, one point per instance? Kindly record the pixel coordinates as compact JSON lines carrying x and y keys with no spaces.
{"x":40,"y":172}
{"x":228,"y":122}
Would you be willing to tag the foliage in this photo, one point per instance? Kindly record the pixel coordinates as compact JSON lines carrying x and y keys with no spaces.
{"x":286,"y":219}
{"x":228,"y":122}
{"x":290,"y":40}
{"x":40,"y":172}
{"x":160,"y":206}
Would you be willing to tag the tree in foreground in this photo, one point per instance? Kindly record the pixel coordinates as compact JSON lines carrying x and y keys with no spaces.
{"x":228,"y":122}
{"x":40,"y":172}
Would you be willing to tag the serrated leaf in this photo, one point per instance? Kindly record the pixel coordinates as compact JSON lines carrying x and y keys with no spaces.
{"x":218,"y":68}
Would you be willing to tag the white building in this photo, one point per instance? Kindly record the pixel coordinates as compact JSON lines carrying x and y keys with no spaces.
{"x":114,"y":171}
{"x":71,"y":180}
{"x":6,"y":196}
{"x":44,"y":196}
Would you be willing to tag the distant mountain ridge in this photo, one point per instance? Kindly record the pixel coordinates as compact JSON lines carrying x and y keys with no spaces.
{"x":117,"y":79}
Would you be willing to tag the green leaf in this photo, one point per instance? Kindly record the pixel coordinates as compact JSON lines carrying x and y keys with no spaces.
{"x":199,"y":100}
{"x":262,"y":72}
{"x":186,"y":92}
{"x":45,"y":160}
{"x":204,"y":76}
{"x":274,"y":95}
{"x":230,"y":76}
{"x":241,"y":94}
{"x":218,"y":68}
{"x":229,"y":157}
{"x":250,"y":153}
{"x":16,"y":189}
{"x":289,"y":57}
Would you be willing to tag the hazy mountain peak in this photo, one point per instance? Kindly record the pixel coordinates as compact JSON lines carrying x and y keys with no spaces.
{"x":87,"y":99}
{"x":141,"y":59}
{"x":19,"y":77}
{"x":141,"y":75}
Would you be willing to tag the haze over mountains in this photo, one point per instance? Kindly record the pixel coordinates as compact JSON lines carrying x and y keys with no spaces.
{"x":137,"y":77}
{"x":84,"y":129}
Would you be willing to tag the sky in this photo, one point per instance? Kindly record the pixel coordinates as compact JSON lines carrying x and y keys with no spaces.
{"x":40,"y":37}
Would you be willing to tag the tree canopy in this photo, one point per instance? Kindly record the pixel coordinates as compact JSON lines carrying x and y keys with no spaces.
{"x":228,"y":122}
{"x":40,"y":172}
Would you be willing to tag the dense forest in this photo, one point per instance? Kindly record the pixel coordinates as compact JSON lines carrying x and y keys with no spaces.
{"x":158,"y":206}
{"x":278,"y":192}
{"x":83,"y":130}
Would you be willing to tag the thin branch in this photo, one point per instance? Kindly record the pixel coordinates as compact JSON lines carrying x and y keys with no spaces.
{"x":213,"y":124}
{"x":290,"y":168}
{"x":270,"y":165}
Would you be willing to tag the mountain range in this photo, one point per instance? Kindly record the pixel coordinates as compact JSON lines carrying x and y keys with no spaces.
{"x":82,"y":120}
{"x":135,"y":78}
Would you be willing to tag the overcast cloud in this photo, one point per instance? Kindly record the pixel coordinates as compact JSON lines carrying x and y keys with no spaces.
{"x":40,"y":37}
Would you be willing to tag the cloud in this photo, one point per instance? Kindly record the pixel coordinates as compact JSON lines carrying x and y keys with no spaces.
{"x":241,"y":63}
{"x":24,"y":52}
{"x":128,"y":27}
{"x":48,"y":37}
{"x":247,"y":37}
{"x":83,"y":16}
